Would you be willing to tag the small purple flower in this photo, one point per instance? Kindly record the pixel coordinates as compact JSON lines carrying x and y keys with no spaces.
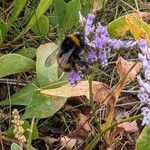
{"x":144,"y":98}
{"x":101,"y":30}
{"x":92,"y":57}
{"x":142,"y":43}
{"x":103,"y":57}
{"x":146,"y":114}
{"x":74,"y":77}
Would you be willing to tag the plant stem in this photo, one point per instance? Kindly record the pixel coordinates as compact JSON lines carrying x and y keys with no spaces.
{"x":29,"y":146}
{"x":94,"y":142}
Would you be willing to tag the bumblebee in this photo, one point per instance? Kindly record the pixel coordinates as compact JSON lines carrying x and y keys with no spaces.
{"x":68,"y":54}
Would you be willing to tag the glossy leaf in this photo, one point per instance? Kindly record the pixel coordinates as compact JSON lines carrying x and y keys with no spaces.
{"x":41,"y":26}
{"x":18,"y":6}
{"x":15,"y":63}
{"x":143,"y":140}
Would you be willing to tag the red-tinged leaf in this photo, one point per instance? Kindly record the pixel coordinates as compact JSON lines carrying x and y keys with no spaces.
{"x":128,"y":127}
{"x":127,"y":71}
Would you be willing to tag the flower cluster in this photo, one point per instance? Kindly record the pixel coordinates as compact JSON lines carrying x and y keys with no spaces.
{"x":144,"y":92}
{"x":18,"y":130}
{"x":98,"y":42}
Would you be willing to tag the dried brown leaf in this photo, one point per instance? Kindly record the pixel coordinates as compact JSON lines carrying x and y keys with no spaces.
{"x":123,"y":66}
{"x":83,"y":122}
{"x":67,"y":143}
{"x":129,"y":127}
{"x":127,"y":71}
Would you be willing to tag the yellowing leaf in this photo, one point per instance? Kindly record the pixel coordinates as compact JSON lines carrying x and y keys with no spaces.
{"x":130,"y":22}
{"x":134,"y":26}
{"x":100,"y":91}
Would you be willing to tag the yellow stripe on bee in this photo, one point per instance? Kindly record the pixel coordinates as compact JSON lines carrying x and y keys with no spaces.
{"x":74,"y":39}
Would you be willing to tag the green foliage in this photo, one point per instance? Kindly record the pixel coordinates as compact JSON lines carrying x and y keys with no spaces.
{"x":14,"y":63}
{"x":143,"y":140}
{"x":65,"y":15}
{"x":15,"y":146}
{"x":3,"y":30}
{"x":29,"y":95}
{"x":46,"y":75}
{"x":18,"y":6}
{"x":130,"y":22}
{"x":27,"y":52}
{"x":40,"y":10}
{"x":41,"y":26}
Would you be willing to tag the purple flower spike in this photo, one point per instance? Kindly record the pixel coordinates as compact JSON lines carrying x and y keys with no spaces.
{"x":92,"y":57}
{"x":101,"y":30}
{"x":74,"y":77}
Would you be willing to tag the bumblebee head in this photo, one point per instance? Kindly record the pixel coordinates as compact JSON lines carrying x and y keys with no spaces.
{"x":80,"y":37}
{"x":77,"y":38}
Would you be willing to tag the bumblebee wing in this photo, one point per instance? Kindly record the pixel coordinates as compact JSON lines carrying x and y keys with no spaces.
{"x":51,"y":58}
{"x":65,"y":57}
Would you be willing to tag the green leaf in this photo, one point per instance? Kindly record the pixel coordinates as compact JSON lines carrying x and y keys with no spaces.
{"x":143,"y":140}
{"x":27,"y":52}
{"x":59,"y":14}
{"x":23,"y":96}
{"x":3,"y":29}
{"x":14,"y":63}
{"x":15,"y":146}
{"x":41,"y":9}
{"x":41,"y":26}
{"x":117,"y":28}
{"x":38,"y":105}
{"x":1,"y":38}
{"x":71,"y":15}
{"x":46,"y":75}
{"x":18,"y":6}
{"x":42,"y":107}
{"x":130,"y":22}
